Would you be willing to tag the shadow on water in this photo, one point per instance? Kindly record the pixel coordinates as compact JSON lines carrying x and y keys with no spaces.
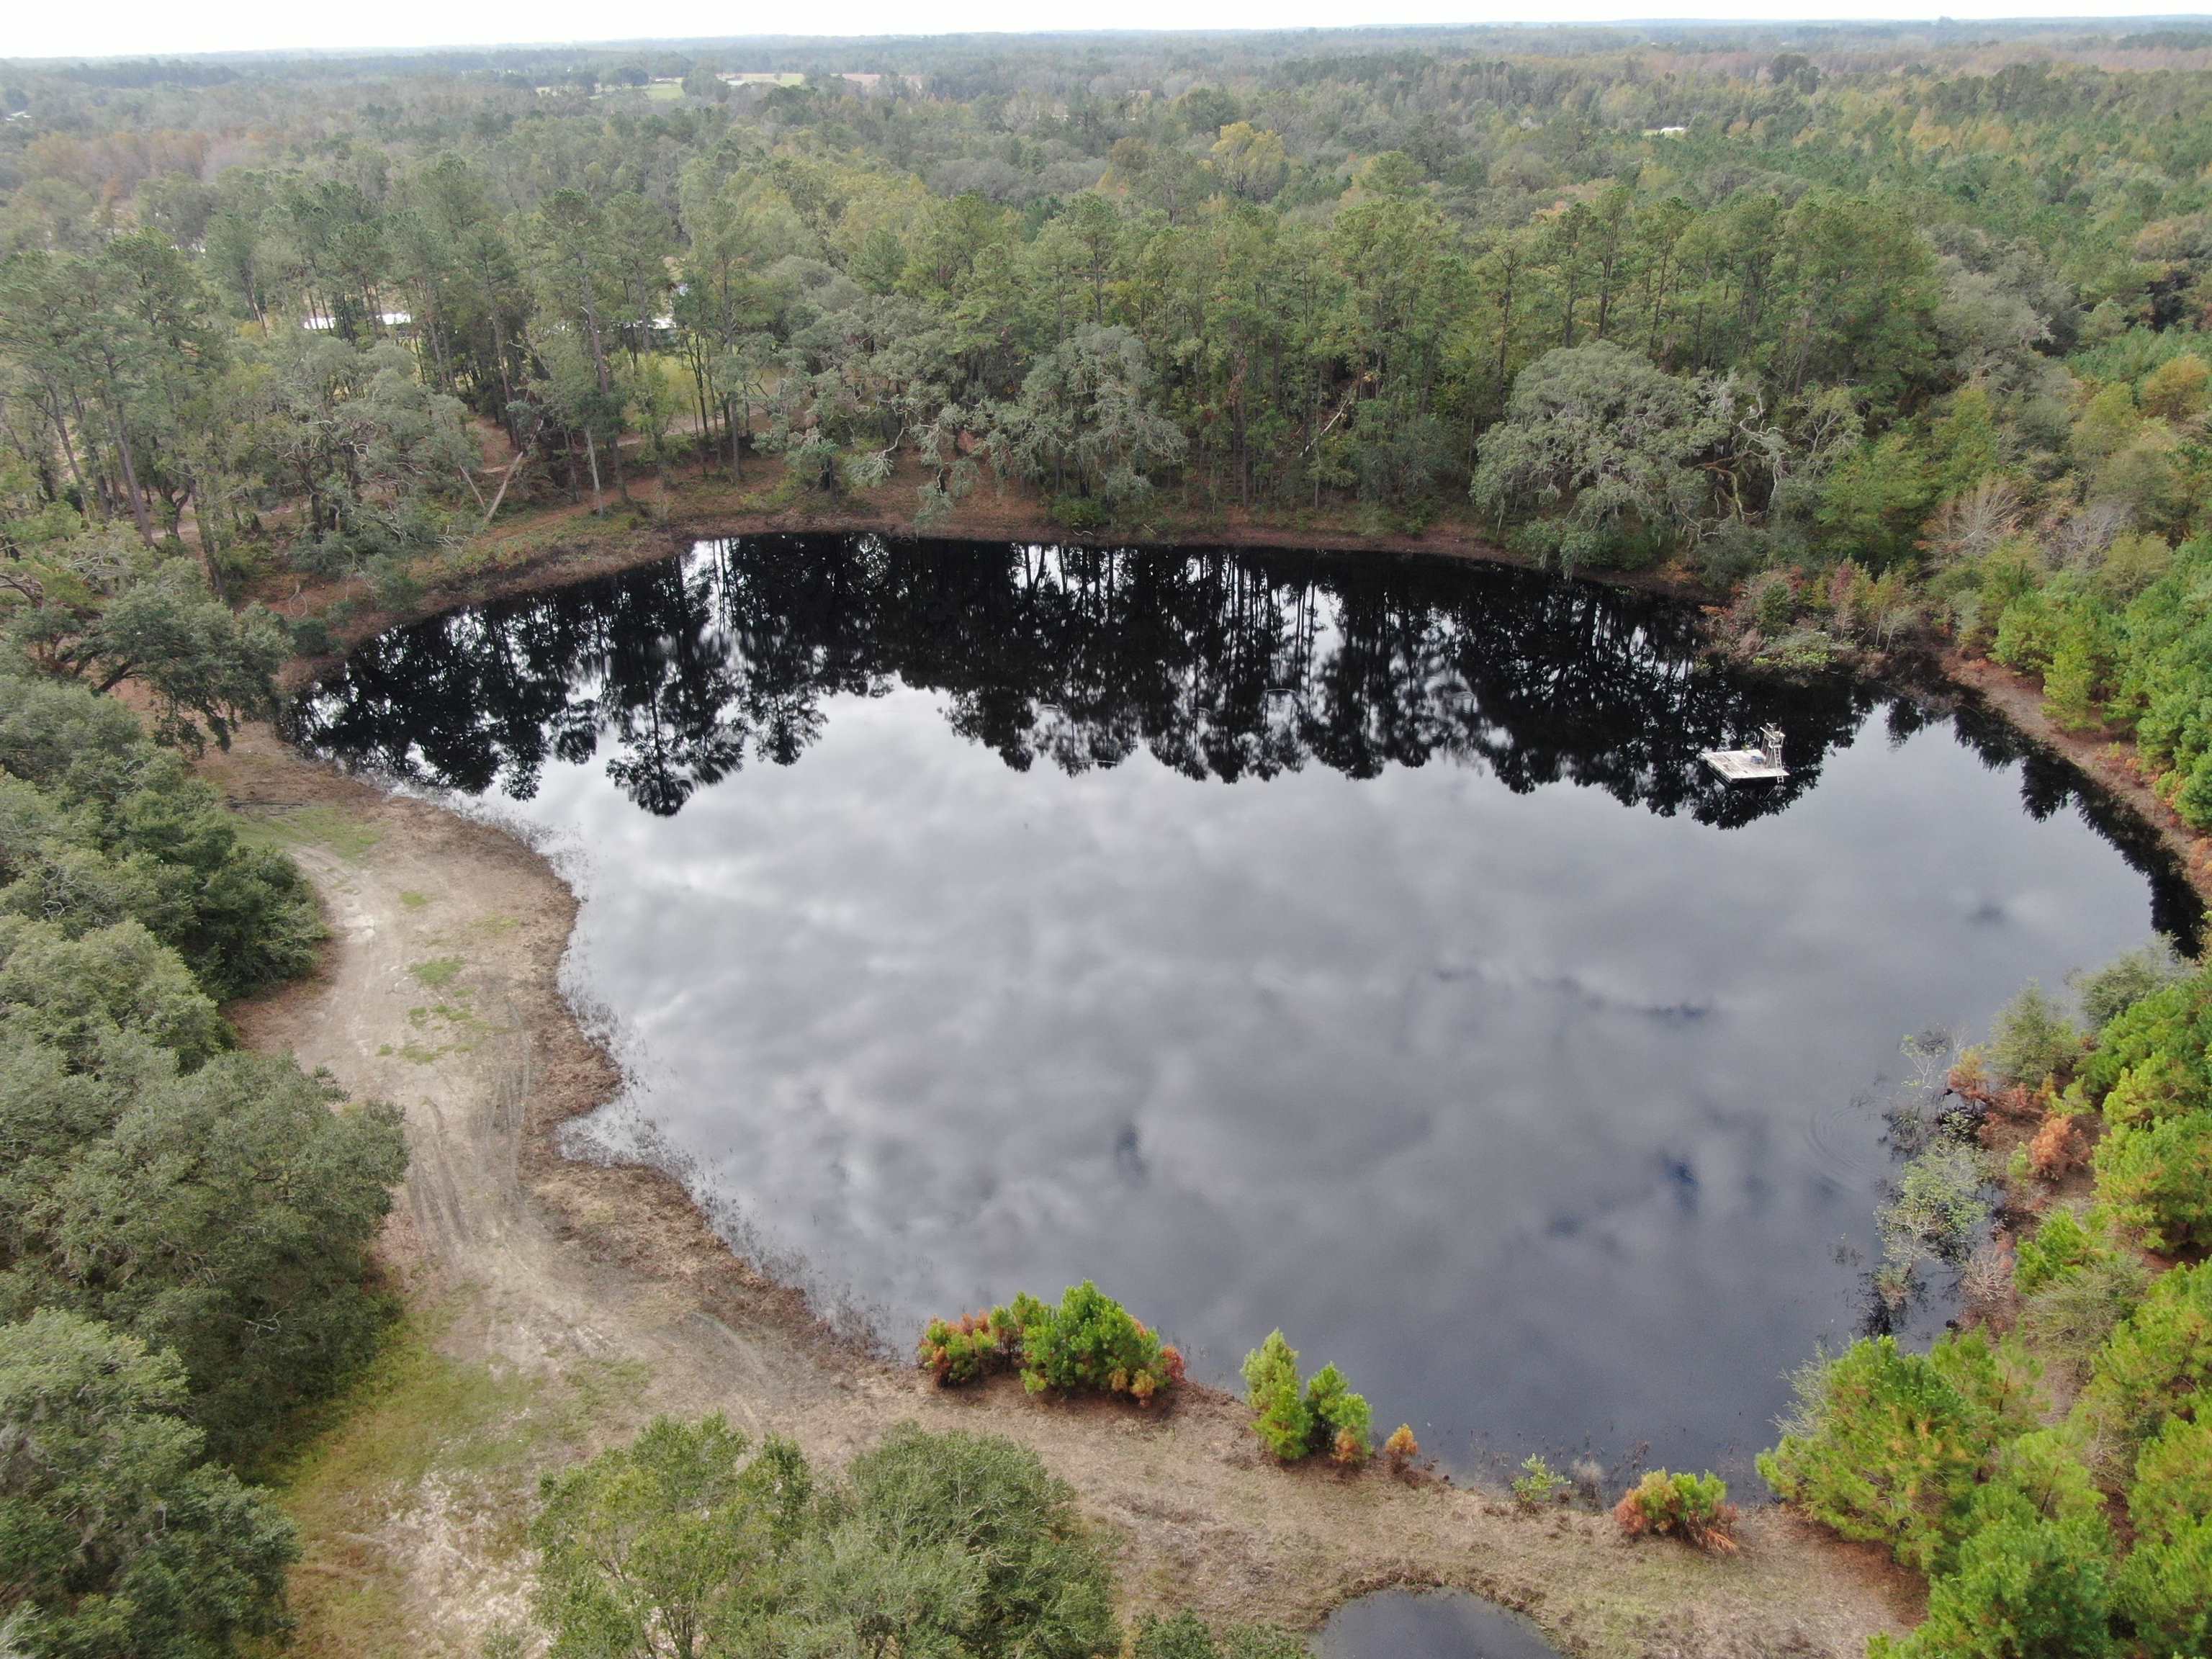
{"x":1429,"y":1625}
{"x":1354,"y":944}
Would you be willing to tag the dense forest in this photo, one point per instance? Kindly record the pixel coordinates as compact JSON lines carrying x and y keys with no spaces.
{"x":1883,"y":332}
{"x":1877,"y":328}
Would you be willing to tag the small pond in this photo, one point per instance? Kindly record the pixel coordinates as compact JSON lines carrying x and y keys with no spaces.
{"x":1428,"y":1624}
{"x":1355,"y":945}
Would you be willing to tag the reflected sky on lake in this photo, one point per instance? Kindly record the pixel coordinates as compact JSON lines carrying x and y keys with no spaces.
{"x":1549,"y":1109}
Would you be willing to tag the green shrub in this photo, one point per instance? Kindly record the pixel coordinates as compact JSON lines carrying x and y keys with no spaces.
{"x":1340,"y":1418}
{"x":2061,"y":1245}
{"x":81,"y":995}
{"x":2032,"y":1041}
{"x":1537,"y":1482}
{"x":2025,"y":1587}
{"x":1091,"y":1344}
{"x":1694,"y":1507}
{"x":1280,"y":1416}
{"x":1886,"y":1446}
{"x":935,"y":1544}
{"x":280,"y":1197}
{"x":1186,"y":1636}
{"x":2108,"y":992}
{"x":2173,"y":1477}
{"x":1039,"y":1587}
{"x":673,"y":1529}
{"x":1770,"y":601}
{"x":2044,"y":1467}
{"x":2164,"y":1589}
{"x":2027,"y":633}
{"x":1081,"y":514}
{"x":1327,"y":1418}
{"x":393,"y":584}
{"x":2157,"y":1178}
{"x":2149,"y":1092}
{"x":2166,"y":1032}
{"x":100,"y":826}
{"x":311,"y":637}
{"x":2159,"y":1358}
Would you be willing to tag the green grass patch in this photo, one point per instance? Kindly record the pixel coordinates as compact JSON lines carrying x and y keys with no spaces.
{"x":330,"y":828}
{"x":419,"y":1420}
{"x":415,"y":901}
{"x":362,"y":1461}
{"x":437,"y":973}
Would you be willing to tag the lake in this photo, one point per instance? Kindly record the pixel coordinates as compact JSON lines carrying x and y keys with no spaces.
{"x":1355,"y":945}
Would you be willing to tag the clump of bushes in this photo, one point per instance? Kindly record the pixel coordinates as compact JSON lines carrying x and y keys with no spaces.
{"x":1694,"y":1507}
{"x":931,"y":1543}
{"x":1089,"y":1344}
{"x":2025,"y":1585}
{"x":184,"y":1228}
{"x":1327,"y":1417}
{"x":1886,"y":1446}
{"x":980,"y":1344}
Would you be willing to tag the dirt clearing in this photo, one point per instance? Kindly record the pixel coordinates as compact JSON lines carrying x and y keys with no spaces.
{"x":557,"y":1305}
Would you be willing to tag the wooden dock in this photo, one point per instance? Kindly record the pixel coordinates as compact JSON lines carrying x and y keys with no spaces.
{"x":1750,"y":765}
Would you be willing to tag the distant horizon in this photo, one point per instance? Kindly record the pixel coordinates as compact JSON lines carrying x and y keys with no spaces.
{"x":261,"y":29}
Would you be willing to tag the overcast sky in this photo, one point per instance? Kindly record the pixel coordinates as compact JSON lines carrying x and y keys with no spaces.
{"x":38,"y":29}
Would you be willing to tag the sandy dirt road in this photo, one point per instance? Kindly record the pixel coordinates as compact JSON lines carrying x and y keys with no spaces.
{"x":439,"y":991}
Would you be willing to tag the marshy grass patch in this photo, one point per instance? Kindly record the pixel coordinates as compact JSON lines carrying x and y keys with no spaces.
{"x":330,"y":829}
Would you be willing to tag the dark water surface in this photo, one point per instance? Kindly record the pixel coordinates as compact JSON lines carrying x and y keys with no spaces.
{"x":1356,"y":947}
{"x":1429,"y":1625}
